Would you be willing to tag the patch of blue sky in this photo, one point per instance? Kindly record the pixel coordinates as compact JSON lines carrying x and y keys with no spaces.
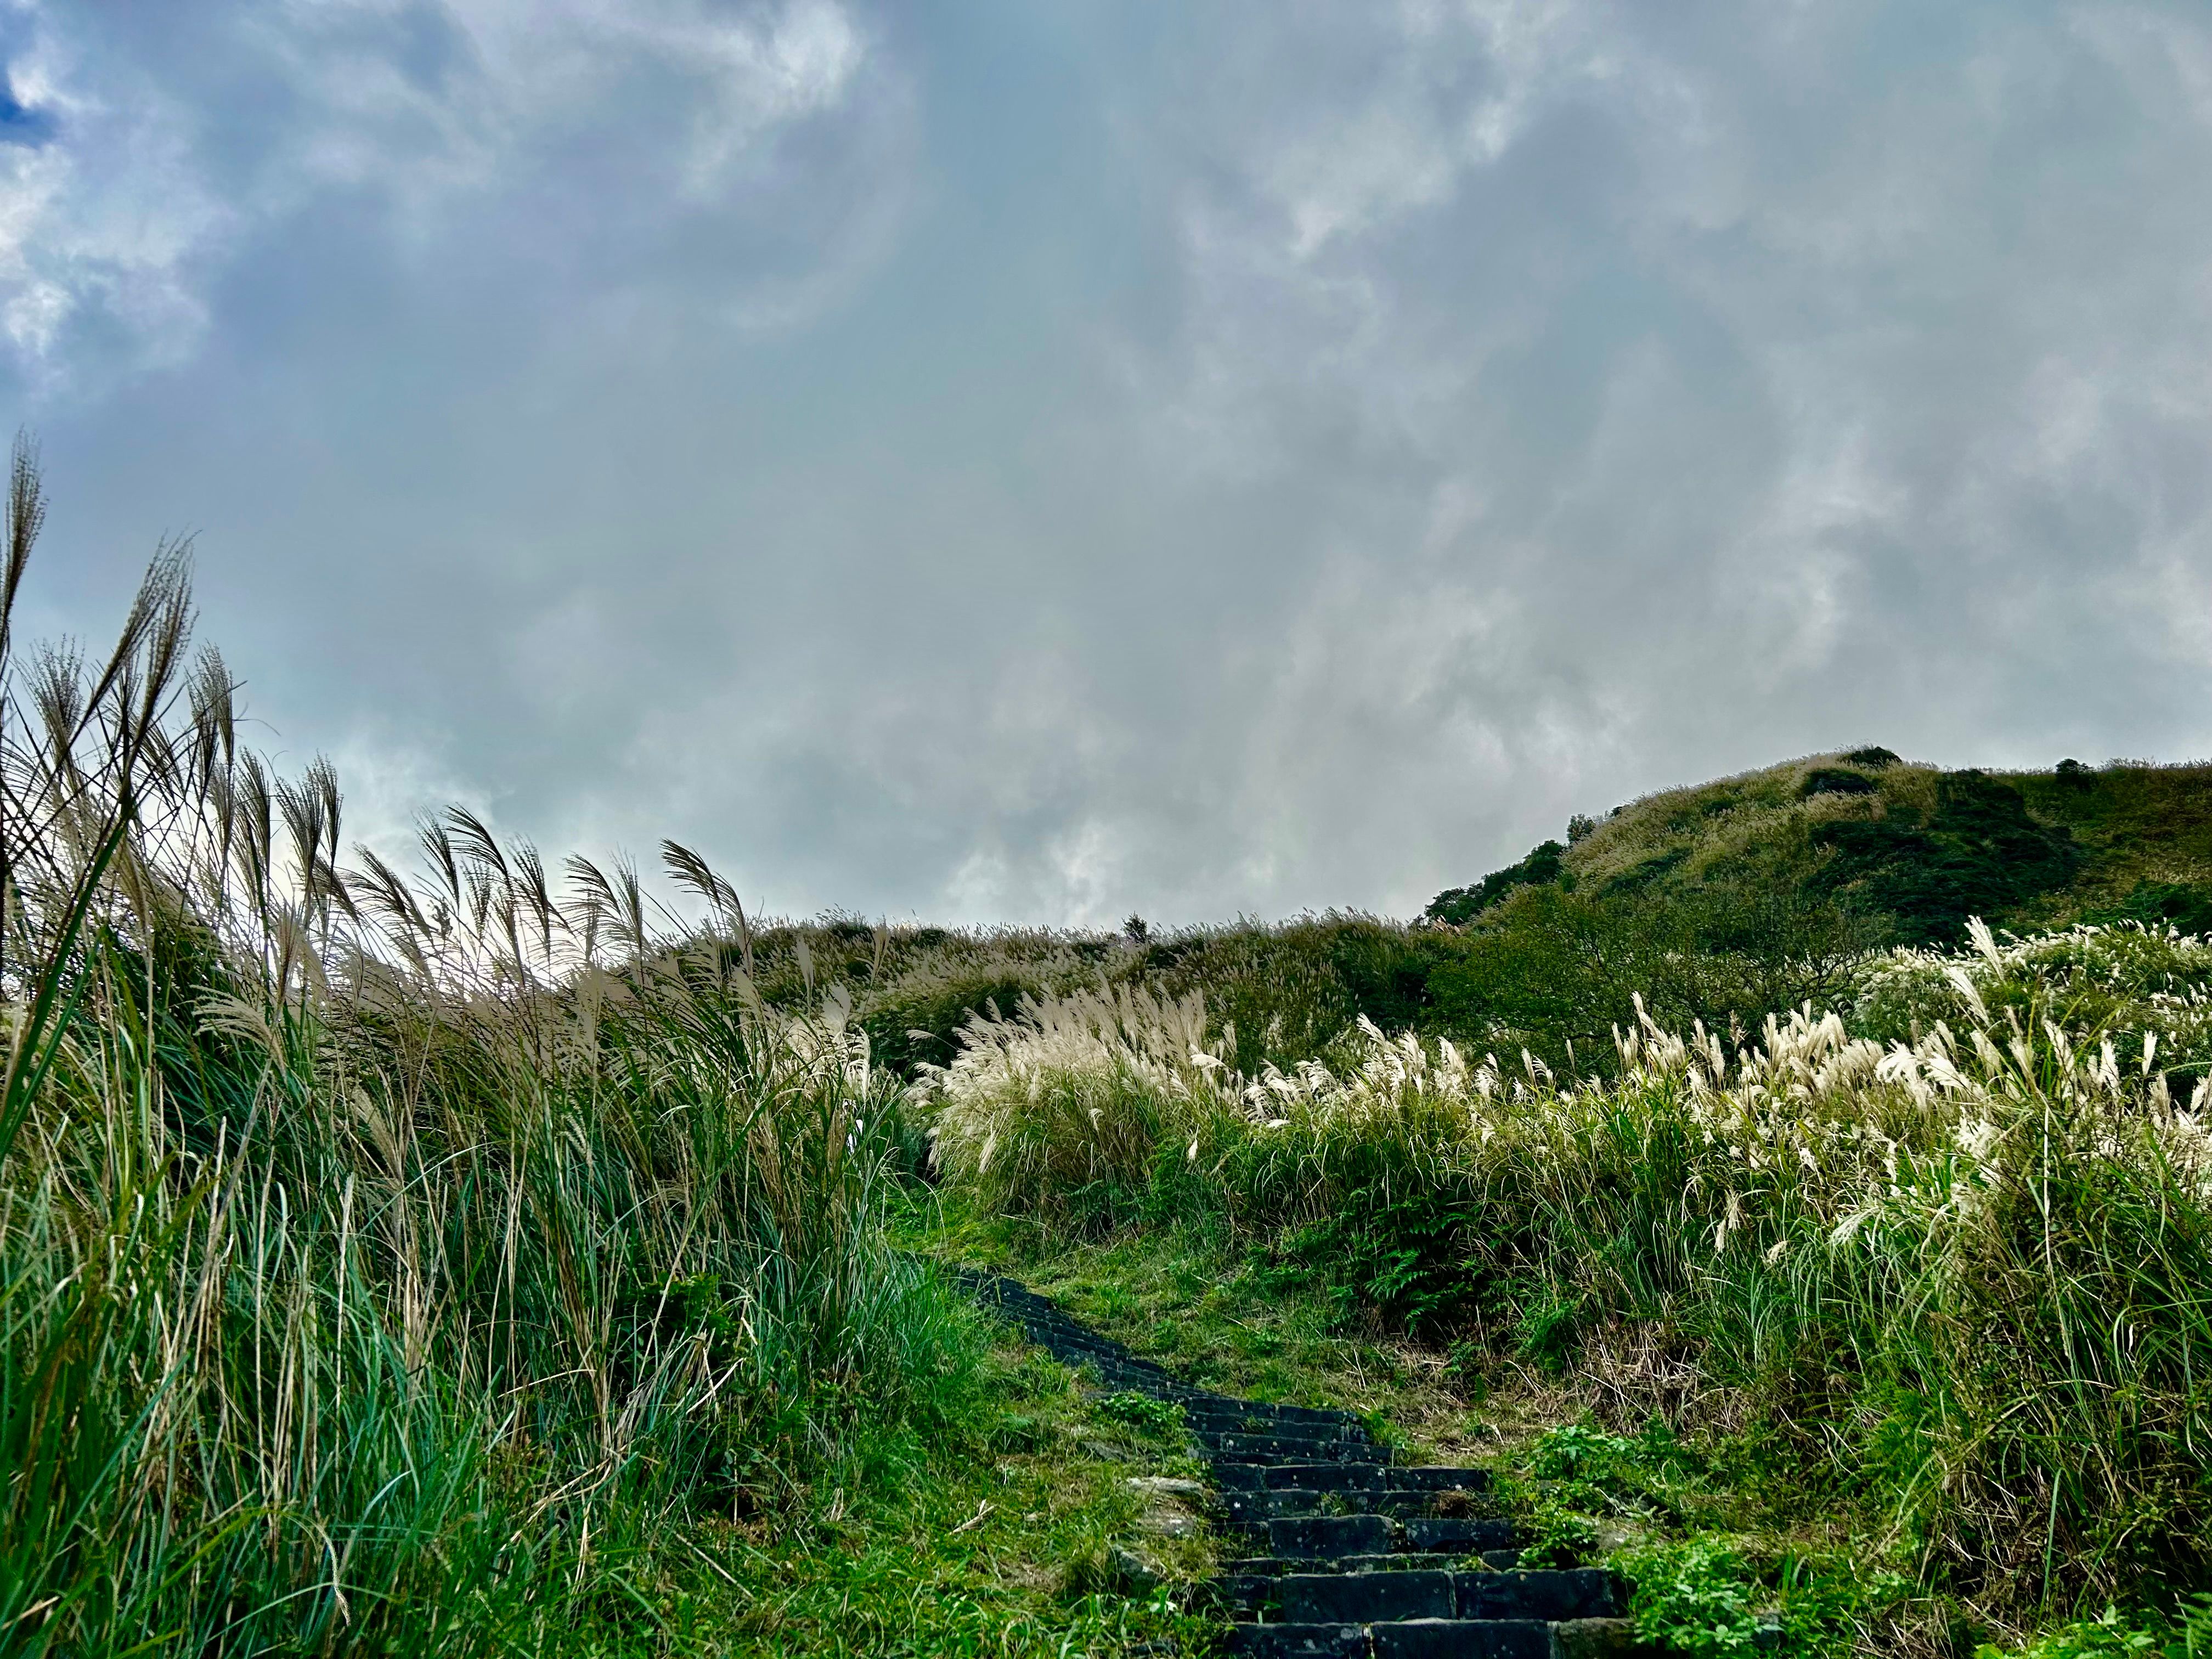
{"x":21,"y":123}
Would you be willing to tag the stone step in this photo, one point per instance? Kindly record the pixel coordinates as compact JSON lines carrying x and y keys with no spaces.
{"x":1461,"y":1639}
{"x":1281,"y":1449}
{"x":1464,"y":1535}
{"x":1346,"y":1598}
{"x":1353,"y":1474}
{"x":1540,"y":1593}
{"x":1290,"y":1435}
{"x":1359,"y":1598}
{"x":1235,"y":1414}
{"x":1331,"y":1535}
{"x":1439,"y":1477}
{"x":1214,"y":1421}
{"x":1503,"y":1559}
{"x":1300,"y":1642}
{"x":1360,"y":1475}
{"x":1241,"y":1505}
{"x":1437,"y":1638}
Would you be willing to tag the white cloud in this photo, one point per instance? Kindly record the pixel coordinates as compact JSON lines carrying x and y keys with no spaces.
{"x":608,"y":126}
{"x":100,"y":211}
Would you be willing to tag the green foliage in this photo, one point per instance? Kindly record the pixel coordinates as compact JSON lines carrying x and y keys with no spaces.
{"x":2186,"y":907}
{"x":1558,"y":1537}
{"x":1155,"y":1419}
{"x":1401,"y":1256}
{"x":1458,"y":905}
{"x":2113,"y":1635}
{"x":1577,"y":1469}
{"x":1977,"y":853}
{"x":1698,"y":1597}
{"x":1835,"y":781}
{"x":1910,"y":852}
{"x":2146,"y":990}
{"x":1712,"y":1597}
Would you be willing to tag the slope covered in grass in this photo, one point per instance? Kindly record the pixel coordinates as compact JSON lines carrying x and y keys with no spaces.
{"x":1914,"y":848}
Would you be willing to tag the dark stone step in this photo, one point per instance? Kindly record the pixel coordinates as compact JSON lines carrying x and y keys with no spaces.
{"x":1340,"y":1597}
{"x":1401,"y":1560}
{"x":1277,"y":1449}
{"x":1256,"y":1508}
{"x":1275,"y":1566}
{"x":1440,"y":1638}
{"x":1253,"y":1504}
{"x":1331,"y":1535}
{"x":1364,"y":1598}
{"x":1228,"y":1414}
{"x":1293,"y":1440}
{"x":1462,"y":1537}
{"x":1299,"y":1641}
{"x":1438,"y":1477}
{"x":1364,"y":1473}
{"x":1540,"y":1593}
{"x":1360,"y":1475}
{"x":1242,"y":1477}
{"x":1459,"y":1638}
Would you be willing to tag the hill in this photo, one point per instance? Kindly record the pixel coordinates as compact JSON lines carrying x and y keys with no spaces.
{"x":1906,"y":849}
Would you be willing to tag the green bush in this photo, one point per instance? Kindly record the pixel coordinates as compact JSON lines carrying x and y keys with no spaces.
{"x":1712,"y":1598}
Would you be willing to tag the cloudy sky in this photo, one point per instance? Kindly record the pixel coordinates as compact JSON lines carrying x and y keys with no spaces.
{"x":1038,"y":459}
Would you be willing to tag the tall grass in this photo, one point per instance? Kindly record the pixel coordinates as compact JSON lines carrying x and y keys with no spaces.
{"x":389,"y":1264}
{"x":1961,"y":1282}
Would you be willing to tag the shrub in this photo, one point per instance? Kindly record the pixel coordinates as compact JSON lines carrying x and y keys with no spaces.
{"x":1835,"y":781}
{"x":1460,"y":905}
{"x":1066,"y":1105}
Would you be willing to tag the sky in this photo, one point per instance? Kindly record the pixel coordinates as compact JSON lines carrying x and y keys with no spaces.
{"x":1040,"y":460}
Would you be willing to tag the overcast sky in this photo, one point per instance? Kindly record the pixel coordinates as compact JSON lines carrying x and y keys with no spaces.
{"x":1040,"y":460}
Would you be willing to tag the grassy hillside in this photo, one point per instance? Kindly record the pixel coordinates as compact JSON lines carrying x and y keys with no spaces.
{"x":1909,"y":849}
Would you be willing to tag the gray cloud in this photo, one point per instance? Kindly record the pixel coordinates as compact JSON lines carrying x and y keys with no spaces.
{"x":999,"y":463}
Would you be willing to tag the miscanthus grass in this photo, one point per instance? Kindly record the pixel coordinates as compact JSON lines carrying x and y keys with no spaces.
{"x":1958,"y":1279}
{"x":390,"y":1264}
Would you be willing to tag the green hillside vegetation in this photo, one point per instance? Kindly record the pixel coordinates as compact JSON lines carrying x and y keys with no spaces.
{"x":1911,"y":850}
{"x":491,"y":1261}
{"x":1718,"y":904}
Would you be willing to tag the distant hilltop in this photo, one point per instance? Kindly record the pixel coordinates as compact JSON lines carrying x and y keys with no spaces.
{"x":1908,"y":845}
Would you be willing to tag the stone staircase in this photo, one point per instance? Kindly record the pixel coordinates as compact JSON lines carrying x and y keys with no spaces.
{"x":1348,"y":1555}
